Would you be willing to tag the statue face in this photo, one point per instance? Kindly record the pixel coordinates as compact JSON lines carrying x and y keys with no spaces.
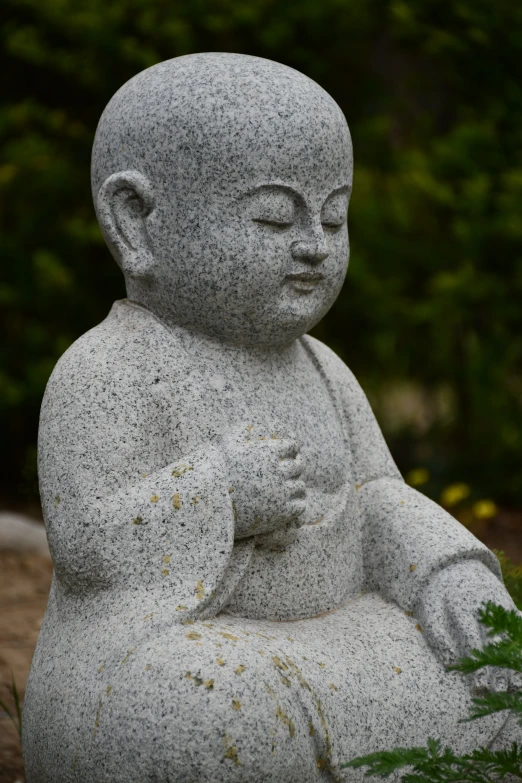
{"x":222,"y":184}
{"x":258,"y":254}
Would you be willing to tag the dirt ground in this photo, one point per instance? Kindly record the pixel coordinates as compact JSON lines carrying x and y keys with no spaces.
{"x":24,"y":585}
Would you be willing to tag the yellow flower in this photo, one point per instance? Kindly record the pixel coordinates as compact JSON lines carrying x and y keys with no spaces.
{"x":454,"y":494}
{"x":417,"y":476}
{"x":484,"y":509}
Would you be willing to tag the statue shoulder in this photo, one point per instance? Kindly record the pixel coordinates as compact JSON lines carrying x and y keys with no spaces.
{"x":122,"y":355}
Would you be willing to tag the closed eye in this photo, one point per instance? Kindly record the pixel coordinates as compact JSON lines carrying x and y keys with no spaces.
{"x":331,"y":225}
{"x":281,"y":225}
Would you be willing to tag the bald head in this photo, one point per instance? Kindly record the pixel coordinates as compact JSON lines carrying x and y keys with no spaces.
{"x":209,"y":110}
{"x":212,"y":172}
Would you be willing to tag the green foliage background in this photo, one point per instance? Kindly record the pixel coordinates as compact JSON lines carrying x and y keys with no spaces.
{"x":432,"y":90}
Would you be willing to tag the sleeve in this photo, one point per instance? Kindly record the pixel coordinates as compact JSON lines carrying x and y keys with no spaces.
{"x":162,"y":539}
{"x":406,"y":537}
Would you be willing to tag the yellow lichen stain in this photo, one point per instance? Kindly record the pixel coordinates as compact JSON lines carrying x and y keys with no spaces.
{"x":274,"y":436}
{"x":137,"y":521}
{"x":236,"y":704}
{"x":263,"y":636}
{"x":154,"y":498}
{"x":231,"y":753}
{"x":231,"y":489}
{"x":144,"y":475}
{"x":217,"y":644}
{"x":200,"y":590}
{"x":165,"y":572}
{"x":194,"y":635}
{"x":240,"y":669}
{"x":234,"y":509}
{"x":176,"y":501}
{"x":279,"y":663}
{"x":418,"y":628}
{"x":181,"y":608}
{"x":270,"y":690}
{"x":147,"y":616}
{"x":413,"y":568}
{"x":333,"y":687}
{"x":408,"y":613}
{"x":289,"y":638}
{"x":180,"y":470}
{"x":285,"y":681}
{"x":402,"y":502}
{"x":97,"y":720}
{"x":311,"y":728}
{"x":261,"y":652}
{"x":357,"y":487}
{"x":250,"y":427}
{"x":208,"y":625}
{"x":187,"y":621}
{"x":130,"y":652}
{"x":109,"y":689}
{"x":322,"y":665}
{"x":102,"y":667}
{"x":147,"y":668}
{"x":231,"y":750}
{"x":220,"y":661}
{"x":299,"y":675}
{"x":324,"y":726}
{"x":195,"y":500}
{"x":397,"y":669}
{"x":283,"y":717}
{"x":229,"y":636}
{"x":57,"y":501}
{"x":166,"y":559}
{"x":197,"y":680}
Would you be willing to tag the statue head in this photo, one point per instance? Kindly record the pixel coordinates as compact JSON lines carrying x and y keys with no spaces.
{"x":221,"y":184}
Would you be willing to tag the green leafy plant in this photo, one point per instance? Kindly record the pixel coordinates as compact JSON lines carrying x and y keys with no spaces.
{"x":437,"y":764}
{"x":16,"y":718}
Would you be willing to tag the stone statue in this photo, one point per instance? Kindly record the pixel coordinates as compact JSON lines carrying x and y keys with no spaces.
{"x":245,"y":589}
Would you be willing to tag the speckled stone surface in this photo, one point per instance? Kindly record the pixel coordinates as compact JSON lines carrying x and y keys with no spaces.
{"x":245,"y":589}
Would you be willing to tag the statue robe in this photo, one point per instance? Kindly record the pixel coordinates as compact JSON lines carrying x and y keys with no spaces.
{"x":171,"y":652}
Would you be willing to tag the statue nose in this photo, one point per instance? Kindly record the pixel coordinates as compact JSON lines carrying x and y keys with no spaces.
{"x":314,"y":250}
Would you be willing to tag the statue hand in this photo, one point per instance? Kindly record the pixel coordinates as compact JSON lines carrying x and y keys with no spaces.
{"x":265,"y":486}
{"x":448,"y":615}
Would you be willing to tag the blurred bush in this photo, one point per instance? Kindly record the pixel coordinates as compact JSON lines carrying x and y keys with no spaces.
{"x":430,"y":318}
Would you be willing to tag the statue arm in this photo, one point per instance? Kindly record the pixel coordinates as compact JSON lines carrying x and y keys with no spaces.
{"x":407,"y":538}
{"x":163,"y":539}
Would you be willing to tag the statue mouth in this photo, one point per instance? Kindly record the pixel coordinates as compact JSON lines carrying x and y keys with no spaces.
{"x":305,"y":281}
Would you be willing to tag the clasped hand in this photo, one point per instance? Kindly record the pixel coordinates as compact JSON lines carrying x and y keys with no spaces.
{"x":268,"y":494}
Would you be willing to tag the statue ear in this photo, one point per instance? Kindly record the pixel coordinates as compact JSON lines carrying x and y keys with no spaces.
{"x":123,"y":203}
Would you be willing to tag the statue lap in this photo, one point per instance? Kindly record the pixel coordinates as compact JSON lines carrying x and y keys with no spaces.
{"x":234,"y":699}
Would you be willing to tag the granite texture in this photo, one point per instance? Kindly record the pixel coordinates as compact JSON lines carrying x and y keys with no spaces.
{"x":245,"y":589}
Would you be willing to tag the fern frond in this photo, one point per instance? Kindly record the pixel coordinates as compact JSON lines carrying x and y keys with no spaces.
{"x":386,"y":762}
{"x":495,"y":702}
